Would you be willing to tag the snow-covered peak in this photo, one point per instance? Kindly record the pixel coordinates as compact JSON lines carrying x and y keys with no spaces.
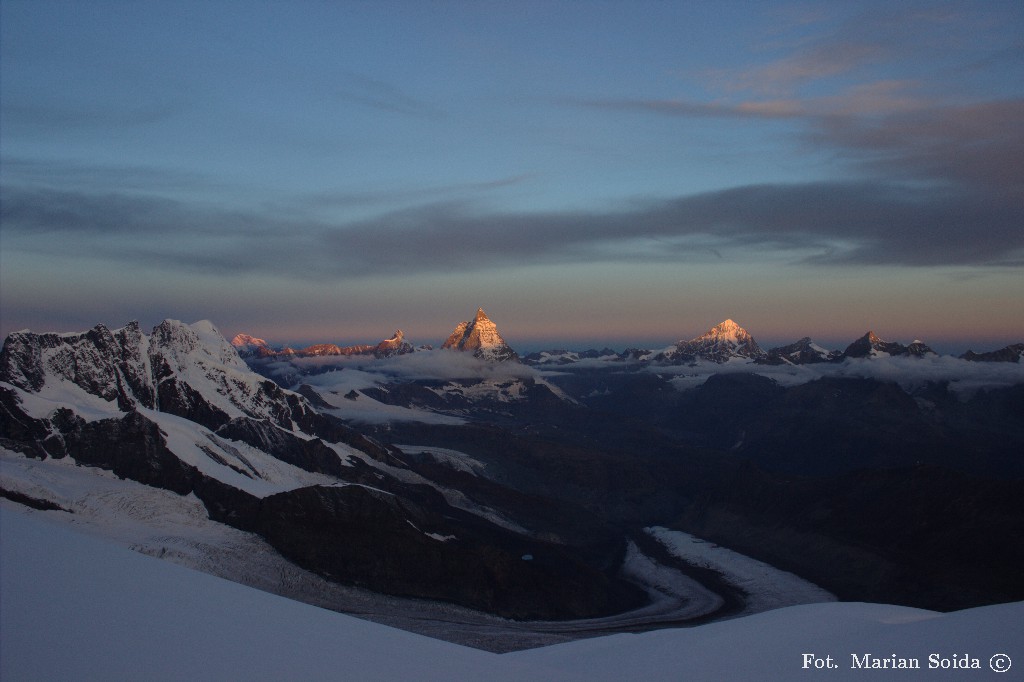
{"x":251,"y":346}
{"x":481,"y":337}
{"x":726,"y":327}
{"x":187,"y":370}
{"x":724,"y":332}
{"x":723,"y":342}
{"x":246,"y":340}
{"x":199,"y":342}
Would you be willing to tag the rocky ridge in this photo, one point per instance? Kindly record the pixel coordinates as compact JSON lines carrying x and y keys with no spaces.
{"x":251,"y":347}
{"x":870,"y":346}
{"x":1012,"y":353}
{"x":180,"y":410}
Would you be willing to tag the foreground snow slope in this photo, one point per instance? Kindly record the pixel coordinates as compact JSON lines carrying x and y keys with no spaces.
{"x":76,"y":607}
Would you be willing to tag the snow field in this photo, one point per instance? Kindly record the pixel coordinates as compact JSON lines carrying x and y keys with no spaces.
{"x":111,"y":614}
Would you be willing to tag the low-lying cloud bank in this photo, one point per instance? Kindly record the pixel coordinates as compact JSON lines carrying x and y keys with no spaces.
{"x":911,"y":373}
{"x":963,"y":377}
{"x":364,"y":372}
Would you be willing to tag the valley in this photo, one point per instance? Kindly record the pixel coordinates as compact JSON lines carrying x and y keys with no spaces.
{"x":506,"y":503}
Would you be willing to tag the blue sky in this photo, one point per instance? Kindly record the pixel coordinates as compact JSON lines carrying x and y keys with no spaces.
{"x":620,"y":172}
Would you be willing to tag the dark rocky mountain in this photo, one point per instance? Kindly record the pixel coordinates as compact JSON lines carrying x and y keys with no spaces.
{"x":1011,"y":353}
{"x":869,"y":346}
{"x":634,"y":450}
{"x":802,"y":352}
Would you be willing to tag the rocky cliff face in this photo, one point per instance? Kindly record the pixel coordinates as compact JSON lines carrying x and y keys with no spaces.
{"x":186,"y":370}
{"x":480,"y":337}
{"x":396,"y":345}
{"x":1011,"y":353}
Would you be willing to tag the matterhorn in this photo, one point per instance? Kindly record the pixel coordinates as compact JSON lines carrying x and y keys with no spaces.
{"x":482,"y":338}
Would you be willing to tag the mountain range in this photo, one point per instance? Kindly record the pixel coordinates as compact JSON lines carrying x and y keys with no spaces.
{"x":178,"y":409}
{"x":466,"y":480}
{"x":729,"y":342}
{"x":252,"y":347}
{"x":725,"y":342}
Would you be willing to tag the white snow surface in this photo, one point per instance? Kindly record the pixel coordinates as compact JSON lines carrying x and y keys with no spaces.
{"x":58,"y":393}
{"x":267,"y":474}
{"x":77,"y":607}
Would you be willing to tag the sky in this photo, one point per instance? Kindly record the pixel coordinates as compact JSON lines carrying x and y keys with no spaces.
{"x":590,"y":173}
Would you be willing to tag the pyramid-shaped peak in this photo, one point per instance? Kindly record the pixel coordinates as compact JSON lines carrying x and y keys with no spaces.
{"x":726,"y":329}
{"x":722,"y":342}
{"x":480,"y":337}
{"x":728,"y":325}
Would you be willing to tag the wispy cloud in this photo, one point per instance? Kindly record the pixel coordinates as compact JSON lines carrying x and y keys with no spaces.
{"x":71,"y":174}
{"x":61,"y":117}
{"x":689,"y":109}
{"x":390,"y":197}
{"x":785,"y":75}
{"x":384,"y":96}
{"x":838,"y":223}
{"x":980,"y":146}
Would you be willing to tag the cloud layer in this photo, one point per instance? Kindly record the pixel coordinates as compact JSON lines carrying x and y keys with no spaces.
{"x":964,"y":221}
